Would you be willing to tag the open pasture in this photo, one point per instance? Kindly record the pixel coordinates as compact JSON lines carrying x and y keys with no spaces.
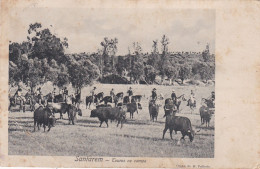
{"x":139,"y":137}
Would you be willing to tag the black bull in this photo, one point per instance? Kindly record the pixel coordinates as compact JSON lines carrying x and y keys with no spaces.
{"x":43,"y":115}
{"x":106,"y":113}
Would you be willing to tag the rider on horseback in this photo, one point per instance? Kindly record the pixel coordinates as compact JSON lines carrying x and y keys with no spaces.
{"x":153,"y":97}
{"x":112,"y":94}
{"x":212,"y":98}
{"x":38,"y":94}
{"x":65,"y":94}
{"x":18,"y":95}
{"x":174,"y":97}
{"x":192,"y":99}
{"x":92,"y":92}
{"x":130,"y":94}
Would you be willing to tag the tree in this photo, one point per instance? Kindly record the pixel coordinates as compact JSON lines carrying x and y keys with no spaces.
{"x":109,"y":49}
{"x":150,"y":74}
{"x":184,"y":72}
{"x":43,"y":44}
{"x":14,"y":76}
{"x":171,"y":72}
{"x":155,"y":47}
{"x":82,"y":72}
{"x":165,"y":42}
{"x":206,"y":72}
{"x":33,"y":74}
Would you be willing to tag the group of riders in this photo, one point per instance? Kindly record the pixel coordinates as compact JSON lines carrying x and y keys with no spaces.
{"x":64,"y":94}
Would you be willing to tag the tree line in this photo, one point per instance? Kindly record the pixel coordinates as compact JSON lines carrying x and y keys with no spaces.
{"x":42,"y":58}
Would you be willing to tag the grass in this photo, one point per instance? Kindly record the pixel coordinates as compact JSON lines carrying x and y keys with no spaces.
{"x":138,"y":138}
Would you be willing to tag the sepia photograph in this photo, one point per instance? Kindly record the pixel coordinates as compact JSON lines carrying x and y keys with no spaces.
{"x":112,"y":83}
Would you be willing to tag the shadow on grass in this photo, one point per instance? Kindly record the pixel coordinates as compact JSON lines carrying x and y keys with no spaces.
{"x":139,"y":137}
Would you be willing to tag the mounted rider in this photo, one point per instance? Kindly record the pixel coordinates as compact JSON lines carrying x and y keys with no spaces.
{"x":192,"y":99}
{"x":93,"y":93}
{"x":65,"y":94}
{"x":130,"y":94}
{"x":174,"y":97}
{"x":112,"y":94}
{"x":38,"y":94}
{"x":153,"y":97}
{"x":212,"y":98}
{"x":18,"y":95}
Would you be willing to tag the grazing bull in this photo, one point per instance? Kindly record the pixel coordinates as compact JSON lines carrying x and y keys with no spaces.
{"x":43,"y":115}
{"x":178,"y":123}
{"x":61,"y":108}
{"x":106,"y":113}
{"x":132,"y":107}
{"x":153,"y":111}
{"x":72,"y":112}
{"x":205,"y":115}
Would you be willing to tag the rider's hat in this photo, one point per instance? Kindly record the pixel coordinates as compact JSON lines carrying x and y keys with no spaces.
{"x":94,"y":87}
{"x":112,"y":89}
{"x":154,"y":88}
{"x":173,"y":90}
{"x":130,"y":88}
{"x":213,"y":92}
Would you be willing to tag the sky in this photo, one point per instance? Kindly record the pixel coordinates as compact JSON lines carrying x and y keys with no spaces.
{"x":187,"y":29}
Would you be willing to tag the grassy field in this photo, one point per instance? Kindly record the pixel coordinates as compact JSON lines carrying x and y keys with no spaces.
{"x":138,"y":138}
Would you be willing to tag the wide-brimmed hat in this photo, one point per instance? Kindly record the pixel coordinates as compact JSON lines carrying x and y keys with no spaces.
{"x":173,"y":90}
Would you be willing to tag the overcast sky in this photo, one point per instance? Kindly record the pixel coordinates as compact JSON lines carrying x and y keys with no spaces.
{"x":187,"y":30}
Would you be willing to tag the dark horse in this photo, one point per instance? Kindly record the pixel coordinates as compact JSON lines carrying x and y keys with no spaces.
{"x":95,"y":99}
{"x":108,"y":99}
{"x":58,"y":98}
{"x":76,"y":100}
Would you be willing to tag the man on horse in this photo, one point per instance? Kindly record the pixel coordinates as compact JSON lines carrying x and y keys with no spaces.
{"x":18,"y":95}
{"x":174,"y":97}
{"x":153,"y":97}
{"x":212,"y":98}
{"x":93,"y":93}
{"x":112,"y":94}
{"x":192,"y":100}
{"x":38,"y":94}
{"x":130,"y":93}
{"x":65,"y":94}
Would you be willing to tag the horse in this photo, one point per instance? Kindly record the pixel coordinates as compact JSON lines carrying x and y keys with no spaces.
{"x":58,"y":98}
{"x":208,"y":102}
{"x":191,"y":104}
{"x":178,"y":102}
{"x":95,"y":99}
{"x":76,"y":100}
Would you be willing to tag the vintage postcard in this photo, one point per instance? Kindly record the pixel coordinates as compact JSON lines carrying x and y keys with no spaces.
{"x":135,"y":84}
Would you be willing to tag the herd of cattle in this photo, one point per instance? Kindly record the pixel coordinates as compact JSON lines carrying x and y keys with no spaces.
{"x":117,"y":109}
